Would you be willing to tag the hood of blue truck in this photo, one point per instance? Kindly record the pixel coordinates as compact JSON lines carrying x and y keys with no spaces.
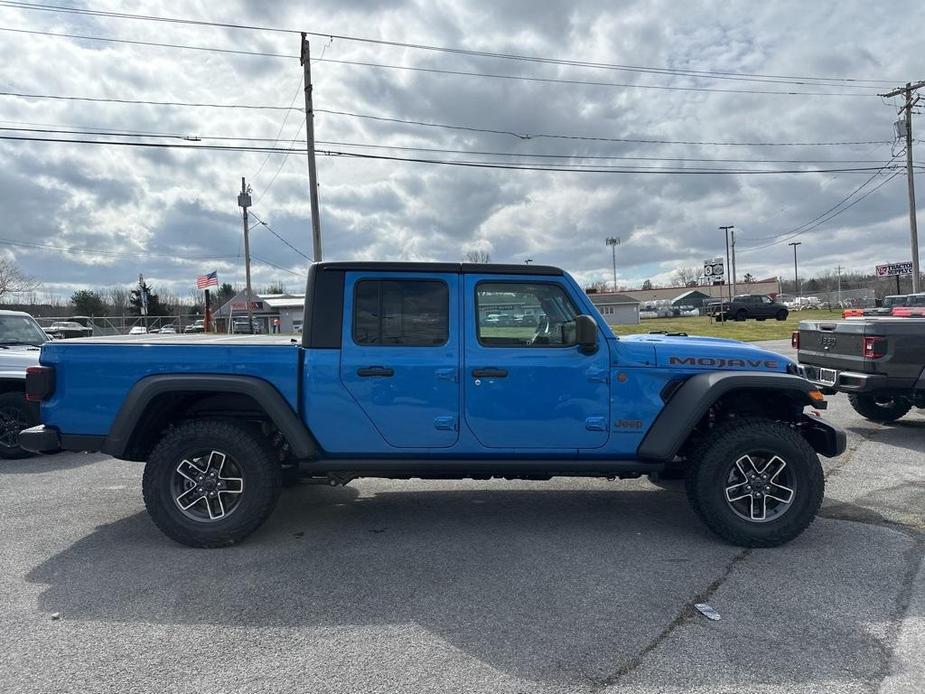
{"x":710,"y":353}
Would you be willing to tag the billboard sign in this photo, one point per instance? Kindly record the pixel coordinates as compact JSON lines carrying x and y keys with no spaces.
{"x":895,"y":269}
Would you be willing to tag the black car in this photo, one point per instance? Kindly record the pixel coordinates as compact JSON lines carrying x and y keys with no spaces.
{"x":745,"y":306}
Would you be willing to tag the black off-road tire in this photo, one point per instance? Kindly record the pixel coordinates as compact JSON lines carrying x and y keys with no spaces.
{"x":709,"y":465}
{"x":741,"y":315}
{"x":259,"y":469}
{"x":782,"y":315}
{"x":15,"y":415}
{"x":880,"y":408}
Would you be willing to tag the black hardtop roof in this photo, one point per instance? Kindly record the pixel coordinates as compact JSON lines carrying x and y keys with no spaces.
{"x":470,"y":268}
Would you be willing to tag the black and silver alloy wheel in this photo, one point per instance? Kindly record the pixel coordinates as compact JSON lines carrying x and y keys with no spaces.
{"x":760,"y":487}
{"x":211,"y":483}
{"x":12,"y":421}
{"x":208,"y":487}
{"x":15,"y":415}
{"x":755,"y":482}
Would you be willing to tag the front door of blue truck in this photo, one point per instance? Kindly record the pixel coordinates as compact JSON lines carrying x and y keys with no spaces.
{"x":527,"y":383}
{"x":400,"y":355}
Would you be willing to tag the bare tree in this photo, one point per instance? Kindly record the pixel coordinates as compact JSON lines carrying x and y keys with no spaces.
{"x":686,"y":276}
{"x":118,"y":296}
{"x":13,"y":280}
{"x":477,"y":255}
{"x":599,"y":287}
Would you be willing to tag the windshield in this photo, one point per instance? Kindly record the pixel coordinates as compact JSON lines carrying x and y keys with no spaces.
{"x":893,"y":301}
{"x":21,"y":330}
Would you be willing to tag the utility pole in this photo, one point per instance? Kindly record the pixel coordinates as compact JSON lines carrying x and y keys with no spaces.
{"x":839,"y":286}
{"x":732,"y":237}
{"x":310,"y":142}
{"x":796,"y":282}
{"x":908,"y":91}
{"x":728,"y":264}
{"x":613,"y":242}
{"x":244,"y":201}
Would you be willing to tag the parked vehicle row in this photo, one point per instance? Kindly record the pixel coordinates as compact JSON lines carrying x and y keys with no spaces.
{"x":898,"y":305}
{"x":21,"y":338}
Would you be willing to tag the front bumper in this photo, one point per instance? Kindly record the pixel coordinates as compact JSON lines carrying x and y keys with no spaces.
{"x":826,"y":438}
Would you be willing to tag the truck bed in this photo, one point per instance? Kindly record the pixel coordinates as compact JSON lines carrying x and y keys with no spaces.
{"x":102,"y":370}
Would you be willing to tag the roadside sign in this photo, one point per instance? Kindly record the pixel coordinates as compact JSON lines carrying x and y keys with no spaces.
{"x":895,"y":269}
{"x":714,"y":270}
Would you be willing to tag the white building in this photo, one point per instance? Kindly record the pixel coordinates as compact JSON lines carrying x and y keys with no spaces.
{"x":617,"y":309}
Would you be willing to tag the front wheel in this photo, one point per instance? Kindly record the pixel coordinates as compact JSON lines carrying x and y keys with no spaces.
{"x":211,"y":483}
{"x":755,"y":482}
{"x":880,"y":407}
{"x":15,"y":415}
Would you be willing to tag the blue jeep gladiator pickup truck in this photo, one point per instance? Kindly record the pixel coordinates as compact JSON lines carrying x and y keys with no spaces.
{"x":405,"y":370}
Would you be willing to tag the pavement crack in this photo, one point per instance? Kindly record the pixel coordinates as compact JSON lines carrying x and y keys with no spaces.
{"x":686,"y":614}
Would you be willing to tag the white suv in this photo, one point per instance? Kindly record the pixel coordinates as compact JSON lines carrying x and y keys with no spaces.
{"x":21,"y":339}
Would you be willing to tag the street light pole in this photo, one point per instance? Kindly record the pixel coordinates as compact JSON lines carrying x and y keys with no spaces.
{"x":796,"y":281}
{"x":613,"y":242}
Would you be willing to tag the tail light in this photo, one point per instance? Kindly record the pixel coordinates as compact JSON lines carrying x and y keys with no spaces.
{"x":795,"y":339}
{"x":40,"y":383}
{"x":874,"y":347}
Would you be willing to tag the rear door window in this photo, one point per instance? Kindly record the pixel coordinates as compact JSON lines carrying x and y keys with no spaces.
{"x":409,"y":313}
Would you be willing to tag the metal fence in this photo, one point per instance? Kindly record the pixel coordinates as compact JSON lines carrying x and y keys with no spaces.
{"x":122,"y":325}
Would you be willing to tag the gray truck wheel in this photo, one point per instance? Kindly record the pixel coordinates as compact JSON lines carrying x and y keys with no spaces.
{"x":755,"y":482}
{"x":211,"y":483}
{"x":880,"y":407}
{"x":15,"y":415}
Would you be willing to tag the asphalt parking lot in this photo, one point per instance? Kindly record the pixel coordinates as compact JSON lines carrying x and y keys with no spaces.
{"x":565,"y":586}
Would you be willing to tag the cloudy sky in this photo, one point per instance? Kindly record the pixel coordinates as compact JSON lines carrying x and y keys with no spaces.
{"x":171,"y":213}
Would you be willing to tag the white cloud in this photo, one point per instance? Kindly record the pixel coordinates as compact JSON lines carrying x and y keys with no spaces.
{"x":182,"y":204}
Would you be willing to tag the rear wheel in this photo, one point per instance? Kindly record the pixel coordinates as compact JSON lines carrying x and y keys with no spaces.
{"x":781,"y":315}
{"x":211,"y":483}
{"x":741,"y":315}
{"x":15,"y":415}
{"x":755,"y":482}
{"x":880,"y":407}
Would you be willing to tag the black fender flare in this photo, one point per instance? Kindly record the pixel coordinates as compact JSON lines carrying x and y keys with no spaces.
{"x":301,"y":441}
{"x":690,"y":401}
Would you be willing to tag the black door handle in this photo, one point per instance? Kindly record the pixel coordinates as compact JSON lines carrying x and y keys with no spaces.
{"x":376,"y":371}
{"x":489,"y":372}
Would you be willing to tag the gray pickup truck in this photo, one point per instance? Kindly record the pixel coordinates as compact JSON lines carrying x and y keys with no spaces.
{"x":878,"y":362}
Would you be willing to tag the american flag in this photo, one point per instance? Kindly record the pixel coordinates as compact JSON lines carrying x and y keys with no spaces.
{"x":210,"y":280}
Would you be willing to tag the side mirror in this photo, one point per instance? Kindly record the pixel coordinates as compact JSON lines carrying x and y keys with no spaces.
{"x":586,"y":333}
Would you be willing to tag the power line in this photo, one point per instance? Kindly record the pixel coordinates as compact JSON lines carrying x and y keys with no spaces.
{"x":834,"y":207}
{"x":708,"y":74}
{"x":823,"y":221}
{"x":270,"y":229}
{"x":528,"y":155}
{"x":467,"y":73}
{"x":592,"y":138}
{"x":388,"y":119}
{"x":278,"y":267}
{"x":462,"y":163}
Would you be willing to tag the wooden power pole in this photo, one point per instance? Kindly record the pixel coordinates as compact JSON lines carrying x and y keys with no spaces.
{"x":310,"y":142}
{"x":908,"y":91}
{"x":244,"y":201}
